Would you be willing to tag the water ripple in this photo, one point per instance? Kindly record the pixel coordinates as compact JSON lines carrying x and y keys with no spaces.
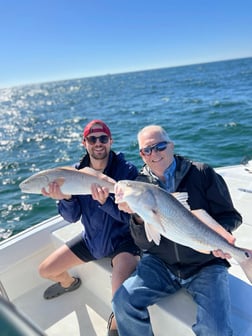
{"x":206,"y":108}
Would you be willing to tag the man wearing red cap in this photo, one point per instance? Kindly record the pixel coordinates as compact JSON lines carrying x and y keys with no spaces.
{"x":106,"y":231}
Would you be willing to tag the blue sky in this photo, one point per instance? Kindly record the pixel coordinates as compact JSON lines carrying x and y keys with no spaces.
{"x":48,"y":40}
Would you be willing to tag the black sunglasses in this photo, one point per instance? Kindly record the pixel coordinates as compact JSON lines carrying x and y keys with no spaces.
{"x":159,"y":147}
{"x":92,"y":139}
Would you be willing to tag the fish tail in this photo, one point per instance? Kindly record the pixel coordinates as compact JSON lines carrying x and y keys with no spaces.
{"x":246,"y":263}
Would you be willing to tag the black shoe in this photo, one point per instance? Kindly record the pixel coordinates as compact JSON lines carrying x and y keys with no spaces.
{"x":57,"y":290}
{"x":112,"y":332}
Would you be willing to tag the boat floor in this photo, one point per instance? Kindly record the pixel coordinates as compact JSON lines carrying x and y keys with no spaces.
{"x":76,"y":313}
{"x":85,"y":311}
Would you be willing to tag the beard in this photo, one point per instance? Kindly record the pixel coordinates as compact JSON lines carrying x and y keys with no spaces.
{"x":99,"y":155}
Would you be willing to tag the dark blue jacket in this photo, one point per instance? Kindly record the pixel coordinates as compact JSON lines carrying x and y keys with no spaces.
{"x":105,"y":227}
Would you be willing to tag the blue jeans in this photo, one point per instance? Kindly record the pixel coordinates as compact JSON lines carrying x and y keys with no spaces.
{"x":153,"y":280}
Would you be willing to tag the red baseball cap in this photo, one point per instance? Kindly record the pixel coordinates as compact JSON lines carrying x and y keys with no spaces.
{"x":96,"y":126}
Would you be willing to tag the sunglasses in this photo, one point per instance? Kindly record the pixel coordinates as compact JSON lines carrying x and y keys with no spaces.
{"x":159,"y":147}
{"x":92,"y":139}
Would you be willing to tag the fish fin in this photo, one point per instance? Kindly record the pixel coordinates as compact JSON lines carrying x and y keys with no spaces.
{"x":205,"y":252}
{"x":63,"y":168}
{"x":95,"y":173}
{"x":204,"y":217}
{"x":152,"y":233}
{"x":89,"y":170}
{"x":158,"y":219}
{"x":246,"y":264}
{"x":182,"y":197}
{"x":67,"y":168}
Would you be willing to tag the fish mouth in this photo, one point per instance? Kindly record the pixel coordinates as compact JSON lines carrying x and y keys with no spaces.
{"x":22,"y":186}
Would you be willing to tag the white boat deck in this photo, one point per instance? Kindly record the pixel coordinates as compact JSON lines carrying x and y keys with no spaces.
{"x":85,"y":312}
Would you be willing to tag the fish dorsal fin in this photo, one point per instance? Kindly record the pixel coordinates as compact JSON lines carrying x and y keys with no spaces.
{"x":90,"y":171}
{"x":182,"y":197}
{"x":98,"y":174}
{"x":152,"y":233}
{"x":204,"y":217}
{"x":67,"y":168}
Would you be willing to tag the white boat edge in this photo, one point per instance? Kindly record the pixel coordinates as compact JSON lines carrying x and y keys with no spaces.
{"x":86,"y":311}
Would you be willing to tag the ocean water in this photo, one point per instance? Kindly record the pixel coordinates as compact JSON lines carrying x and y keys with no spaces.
{"x":206,"y":109}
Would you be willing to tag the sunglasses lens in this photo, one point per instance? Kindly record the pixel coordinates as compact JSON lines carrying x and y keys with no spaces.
{"x":161,"y":146}
{"x":104,"y":139}
{"x":92,"y":139}
{"x":146,"y":151}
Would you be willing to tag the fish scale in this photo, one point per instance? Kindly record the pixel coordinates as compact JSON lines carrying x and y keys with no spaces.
{"x":187,"y":235}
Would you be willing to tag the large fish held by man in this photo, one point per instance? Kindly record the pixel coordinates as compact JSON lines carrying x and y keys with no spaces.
{"x":70,"y":180}
{"x":169,"y":215}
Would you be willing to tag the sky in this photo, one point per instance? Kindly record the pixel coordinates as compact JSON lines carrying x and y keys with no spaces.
{"x":50,"y":40}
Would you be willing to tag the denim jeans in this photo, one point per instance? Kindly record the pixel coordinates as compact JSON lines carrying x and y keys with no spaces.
{"x":153,"y":280}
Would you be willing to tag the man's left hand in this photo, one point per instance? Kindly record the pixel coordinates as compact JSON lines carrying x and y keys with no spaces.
{"x":99,"y":193}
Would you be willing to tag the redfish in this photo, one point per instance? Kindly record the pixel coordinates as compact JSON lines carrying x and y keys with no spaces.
{"x":70,"y":180}
{"x":169,"y":215}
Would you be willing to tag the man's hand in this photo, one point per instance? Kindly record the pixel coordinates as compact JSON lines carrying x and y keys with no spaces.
{"x":124,"y":207}
{"x":55,"y":192}
{"x":220,"y":254}
{"x":99,"y":193}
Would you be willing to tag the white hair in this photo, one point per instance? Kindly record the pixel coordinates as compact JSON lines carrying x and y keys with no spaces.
{"x":155,"y":129}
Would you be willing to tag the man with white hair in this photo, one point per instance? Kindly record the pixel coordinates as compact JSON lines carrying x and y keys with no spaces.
{"x":167,"y":267}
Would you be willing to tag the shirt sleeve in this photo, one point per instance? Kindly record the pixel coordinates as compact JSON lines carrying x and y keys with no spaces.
{"x":70,"y":210}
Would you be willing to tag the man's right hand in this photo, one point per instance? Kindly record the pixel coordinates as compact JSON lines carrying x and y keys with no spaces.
{"x":123,"y":206}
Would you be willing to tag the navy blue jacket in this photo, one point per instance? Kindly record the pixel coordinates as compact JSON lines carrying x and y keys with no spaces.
{"x":105,"y":227}
{"x":206,"y":190}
